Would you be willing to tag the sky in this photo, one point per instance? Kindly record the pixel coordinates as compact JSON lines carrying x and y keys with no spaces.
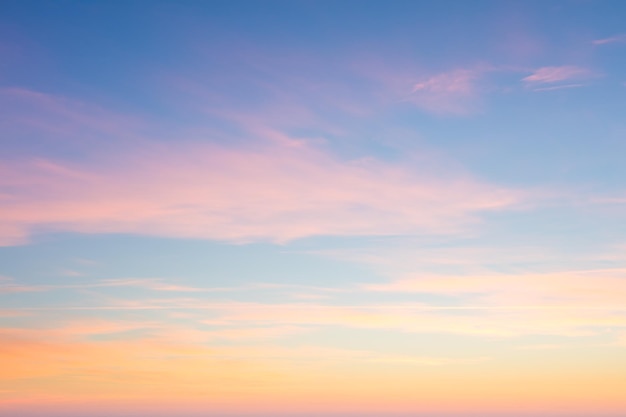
{"x":312,"y":208}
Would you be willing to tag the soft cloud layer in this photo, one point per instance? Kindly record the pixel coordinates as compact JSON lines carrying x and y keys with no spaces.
{"x":281,"y":190}
{"x":513,"y":321}
{"x":40,"y":118}
{"x":522,"y":307}
{"x":604,"y":289}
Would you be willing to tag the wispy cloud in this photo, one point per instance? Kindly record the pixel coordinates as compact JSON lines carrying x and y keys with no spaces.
{"x":583,"y":289}
{"x":548,"y":75}
{"x":151,"y":284}
{"x":559,"y":87}
{"x":277,"y":190}
{"x":453,"y":92}
{"x":7,"y":313}
{"x":248,"y":334}
{"x":513,"y":320}
{"x":62,"y":120}
{"x":578,"y":304}
{"x":611,"y":39}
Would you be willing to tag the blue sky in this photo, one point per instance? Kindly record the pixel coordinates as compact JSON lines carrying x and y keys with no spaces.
{"x":312,"y":207}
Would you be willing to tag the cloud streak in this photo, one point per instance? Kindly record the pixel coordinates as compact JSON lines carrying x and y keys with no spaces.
{"x":603,"y":289}
{"x":549,"y":75}
{"x":612,"y":39}
{"x":452,"y":92}
{"x":497,"y":321}
{"x":279,"y":190}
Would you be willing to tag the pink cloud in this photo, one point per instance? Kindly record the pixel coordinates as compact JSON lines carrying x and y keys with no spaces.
{"x":585,"y":289}
{"x":61,"y":114}
{"x":451,"y":92}
{"x":455,"y":82}
{"x":277,"y":191}
{"x":546,"y":75}
{"x":485,"y":320}
{"x":151,"y":284}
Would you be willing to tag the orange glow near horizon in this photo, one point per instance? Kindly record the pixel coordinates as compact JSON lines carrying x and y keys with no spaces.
{"x":324,"y":208}
{"x":174,"y":376}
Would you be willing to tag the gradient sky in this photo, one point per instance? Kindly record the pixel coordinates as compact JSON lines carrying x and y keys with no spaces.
{"x":312,"y":208}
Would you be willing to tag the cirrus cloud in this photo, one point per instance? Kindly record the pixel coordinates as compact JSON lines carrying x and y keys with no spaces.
{"x":611,"y":39}
{"x":452,"y":92}
{"x":548,"y":75}
{"x":278,"y":191}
